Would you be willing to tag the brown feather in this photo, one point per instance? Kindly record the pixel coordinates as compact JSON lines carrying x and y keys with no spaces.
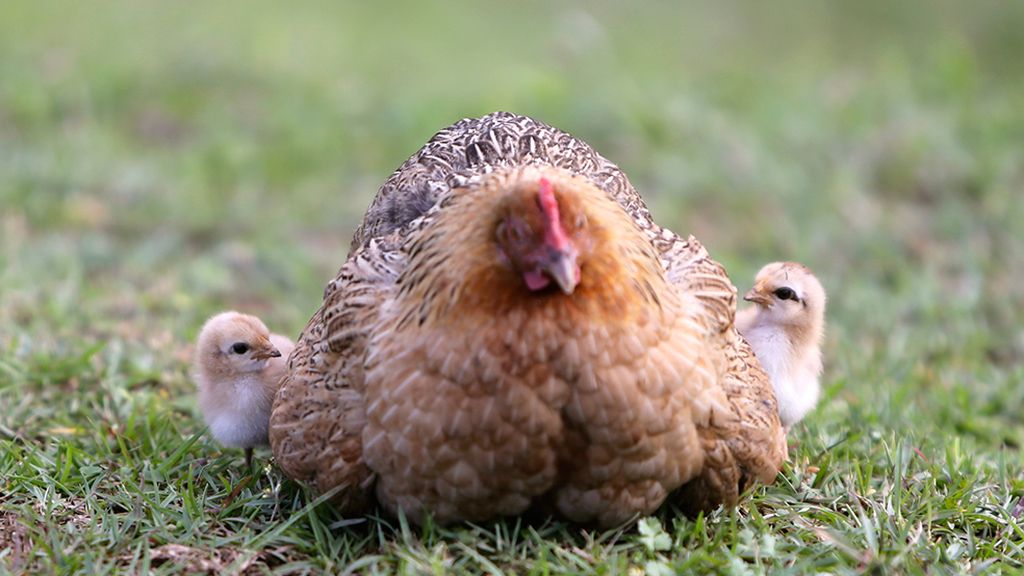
{"x":432,"y":371}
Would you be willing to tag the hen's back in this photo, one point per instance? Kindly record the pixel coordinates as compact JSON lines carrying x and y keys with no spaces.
{"x":476,"y":146}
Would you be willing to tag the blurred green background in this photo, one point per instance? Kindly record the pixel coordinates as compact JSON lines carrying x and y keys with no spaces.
{"x":162,"y":161}
{"x":190,"y":155}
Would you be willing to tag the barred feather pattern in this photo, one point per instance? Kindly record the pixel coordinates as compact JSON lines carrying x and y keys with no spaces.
{"x":319,"y":427}
{"x":474,"y":147}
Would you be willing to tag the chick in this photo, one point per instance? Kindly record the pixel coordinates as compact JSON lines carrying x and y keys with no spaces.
{"x":237,"y":368}
{"x":785,"y":328}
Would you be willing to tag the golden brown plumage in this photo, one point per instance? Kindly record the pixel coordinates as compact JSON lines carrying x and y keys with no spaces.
{"x":512,"y":327}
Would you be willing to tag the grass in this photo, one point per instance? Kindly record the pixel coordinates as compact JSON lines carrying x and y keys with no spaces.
{"x":160,"y":162}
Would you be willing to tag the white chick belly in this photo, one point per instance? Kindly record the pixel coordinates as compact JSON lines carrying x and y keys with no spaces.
{"x":797,"y":395}
{"x":239,"y":432}
{"x":795,"y":390}
{"x":243,"y":424}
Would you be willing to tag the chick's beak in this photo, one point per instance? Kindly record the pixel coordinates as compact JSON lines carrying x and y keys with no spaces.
{"x":758,"y":297}
{"x":562,"y":268}
{"x":267,"y":353}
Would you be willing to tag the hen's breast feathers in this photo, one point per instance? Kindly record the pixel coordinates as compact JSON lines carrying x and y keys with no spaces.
{"x":475,"y":388}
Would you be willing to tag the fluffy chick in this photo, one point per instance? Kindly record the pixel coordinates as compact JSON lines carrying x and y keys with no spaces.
{"x":237,"y":368}
{"x":785,"y":327}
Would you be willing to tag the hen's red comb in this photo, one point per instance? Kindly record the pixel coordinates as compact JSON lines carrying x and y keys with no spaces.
{"x":554,"y":234}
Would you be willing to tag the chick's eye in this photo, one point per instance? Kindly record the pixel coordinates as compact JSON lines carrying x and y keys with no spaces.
{"x":785,"y":294}
{"x":239,"y":347}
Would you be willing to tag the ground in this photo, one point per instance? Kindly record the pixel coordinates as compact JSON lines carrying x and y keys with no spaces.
{"x":163,"y":161}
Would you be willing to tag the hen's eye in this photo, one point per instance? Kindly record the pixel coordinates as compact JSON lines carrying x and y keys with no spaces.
{"x":581,"y":221}
{"x":785,"y":294}
{"x":239,"y":347}
{"x":511,"y":231}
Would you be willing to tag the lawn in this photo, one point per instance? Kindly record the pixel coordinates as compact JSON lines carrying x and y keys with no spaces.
{"x":160,"y":162}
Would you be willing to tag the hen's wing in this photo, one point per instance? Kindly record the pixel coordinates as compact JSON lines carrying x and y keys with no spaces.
{"x":751,"y":447}
{"x":749,"y":444}
{"x":319,"y":414}
{"x":476,"y":146}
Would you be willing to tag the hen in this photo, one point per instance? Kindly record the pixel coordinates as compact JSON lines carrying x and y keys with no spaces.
{"x":511,"y":329}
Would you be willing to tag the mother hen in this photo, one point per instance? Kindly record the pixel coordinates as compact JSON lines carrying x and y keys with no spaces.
{"x":512,"y":329}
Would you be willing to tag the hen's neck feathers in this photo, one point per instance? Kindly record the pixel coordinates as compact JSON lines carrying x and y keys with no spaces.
{"x":455,"y":273}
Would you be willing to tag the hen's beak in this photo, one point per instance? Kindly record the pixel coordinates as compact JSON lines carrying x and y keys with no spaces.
{"x":758,"y":298}
{"x":562,"y":268}
{"x":267,"y":353}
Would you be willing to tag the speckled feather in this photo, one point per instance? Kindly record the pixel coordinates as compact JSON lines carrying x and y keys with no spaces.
{"x":391,"y":393}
